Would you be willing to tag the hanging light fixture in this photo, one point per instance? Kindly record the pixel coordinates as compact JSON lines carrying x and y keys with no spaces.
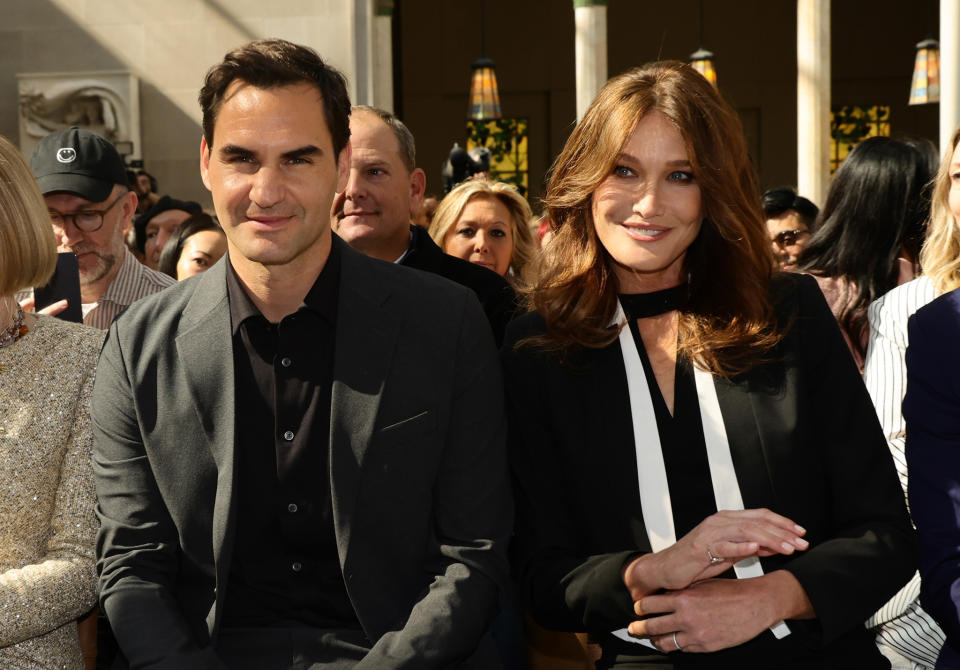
{"x":484,"y":96}
{"x":925,"y":86}
{"x":702,"y":60}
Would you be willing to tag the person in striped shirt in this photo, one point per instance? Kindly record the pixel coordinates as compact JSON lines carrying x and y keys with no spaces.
{"x":84,"y":184}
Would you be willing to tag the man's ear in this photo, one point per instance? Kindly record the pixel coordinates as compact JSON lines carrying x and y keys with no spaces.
{"x":343,"y":167}
{"x":418,"y":185}
{"x":128,"y":210}
{"x":204,"y":162}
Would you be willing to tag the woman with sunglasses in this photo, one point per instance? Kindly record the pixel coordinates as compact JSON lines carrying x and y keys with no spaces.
{"x":701,"y":480}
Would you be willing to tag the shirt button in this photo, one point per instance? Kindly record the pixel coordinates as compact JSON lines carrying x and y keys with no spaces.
{"x":297,"y":566}
{"x":288,"y":436}
{"x":286,"y":362}
{"x":292,"y":508}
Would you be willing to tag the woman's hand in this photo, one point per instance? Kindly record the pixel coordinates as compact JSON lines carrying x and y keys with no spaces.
{"x":50,"y":310}
{"x":720,"y":613}
{"x":713,"y":547}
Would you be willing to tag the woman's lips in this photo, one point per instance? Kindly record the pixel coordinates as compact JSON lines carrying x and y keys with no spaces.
{"x":645,"y":233}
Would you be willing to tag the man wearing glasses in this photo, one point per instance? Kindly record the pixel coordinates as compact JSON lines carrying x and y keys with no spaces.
{"x":790,"y":221}
{"x":84,"y":183}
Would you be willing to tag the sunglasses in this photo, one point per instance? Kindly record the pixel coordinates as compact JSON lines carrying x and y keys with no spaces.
{"x":788,"y":238}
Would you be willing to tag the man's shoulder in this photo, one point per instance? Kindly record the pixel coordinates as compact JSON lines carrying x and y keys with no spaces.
{"x":162,"y":309}
{"x":135,"y":281}
{"x":430,"y":258}
{"x":402,"y":282}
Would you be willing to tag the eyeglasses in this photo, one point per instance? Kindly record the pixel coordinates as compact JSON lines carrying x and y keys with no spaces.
{"x":88,"y":220}
{"x":787,"y":238}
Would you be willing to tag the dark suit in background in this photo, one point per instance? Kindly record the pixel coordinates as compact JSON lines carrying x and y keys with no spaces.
{"x":931,"y":408}
{"x":494,"y":293}
{"x":417,"y":474}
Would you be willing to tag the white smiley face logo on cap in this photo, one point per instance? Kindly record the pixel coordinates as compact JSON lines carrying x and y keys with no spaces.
{"x":66,"y":155}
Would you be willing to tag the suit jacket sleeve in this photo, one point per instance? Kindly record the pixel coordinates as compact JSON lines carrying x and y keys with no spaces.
{"x":472,"y":516}
{"x":932,"y":410}
{"x":137,"y":547}
{"x":866,"y":549}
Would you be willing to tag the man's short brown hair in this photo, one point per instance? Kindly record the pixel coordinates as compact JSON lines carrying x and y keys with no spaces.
{"x":271,"y":64}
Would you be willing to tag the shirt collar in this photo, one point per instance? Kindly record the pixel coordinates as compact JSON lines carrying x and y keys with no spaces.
{"x":321,"y":298}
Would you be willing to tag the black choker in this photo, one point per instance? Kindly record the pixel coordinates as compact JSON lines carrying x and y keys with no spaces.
{"x":643,"y":305}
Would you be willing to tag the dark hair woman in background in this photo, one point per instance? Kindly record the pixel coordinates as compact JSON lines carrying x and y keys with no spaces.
{"x":193,"y":247}
{"x":669,"y":373}
{"x":870,"y":231}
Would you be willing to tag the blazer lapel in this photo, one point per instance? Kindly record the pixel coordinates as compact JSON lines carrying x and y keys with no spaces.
{"x":749,"y":439}
{"x":366,"y":334}
{"x":205,"y":351}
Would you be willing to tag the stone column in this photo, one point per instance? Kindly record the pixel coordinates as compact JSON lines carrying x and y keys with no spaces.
{"x":949,"y":70}
{"x":383,"y":55}
{"x":813,"y":99}
{"x":590,"y":20}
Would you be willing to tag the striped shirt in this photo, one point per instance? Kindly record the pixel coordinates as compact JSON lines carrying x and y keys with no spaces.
{"x":134,"y":281}
{"x":901,"y":623}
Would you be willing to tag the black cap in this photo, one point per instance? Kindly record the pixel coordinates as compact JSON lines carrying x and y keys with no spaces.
{"x":77,"y":161}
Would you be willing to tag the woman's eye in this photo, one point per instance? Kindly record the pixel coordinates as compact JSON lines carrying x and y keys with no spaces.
{"x":465,"y":232}
{"x":496,"y":232}
{"x":681,"y":176}
{"x":622,"y":171}
{"x":201,"y":262}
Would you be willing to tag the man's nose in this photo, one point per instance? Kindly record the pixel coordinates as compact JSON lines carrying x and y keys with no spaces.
{"x":267,"y":189}
{"x":67,"y":236}
{"x":354,"y":188}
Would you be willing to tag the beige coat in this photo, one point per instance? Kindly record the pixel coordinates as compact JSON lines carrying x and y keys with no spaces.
{"x":47,"y":520}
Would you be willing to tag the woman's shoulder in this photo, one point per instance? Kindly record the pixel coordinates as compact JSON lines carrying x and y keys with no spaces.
{"x":72,"y":342}
{"x":530,"y":324}
{"x":905,"y":299}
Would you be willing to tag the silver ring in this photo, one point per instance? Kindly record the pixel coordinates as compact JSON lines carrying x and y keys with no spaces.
{"x":714,"y":559}
{"x":675,"y":641}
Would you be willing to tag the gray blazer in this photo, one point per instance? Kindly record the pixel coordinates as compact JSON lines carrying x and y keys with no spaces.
{"x":421,"y":501}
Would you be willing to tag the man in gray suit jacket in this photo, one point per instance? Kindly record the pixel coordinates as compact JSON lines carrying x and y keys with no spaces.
{"x":299,"y":453}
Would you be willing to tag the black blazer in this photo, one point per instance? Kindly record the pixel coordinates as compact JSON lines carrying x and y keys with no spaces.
{"x":932,"y":410}
{"x":805,"y":443}
{"x":498,"y":299}
{"x":418,"y":475}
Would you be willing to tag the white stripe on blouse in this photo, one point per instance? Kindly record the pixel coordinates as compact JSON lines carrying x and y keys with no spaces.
{"x":901,"y":623}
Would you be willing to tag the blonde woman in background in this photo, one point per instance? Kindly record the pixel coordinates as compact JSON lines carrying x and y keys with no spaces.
{"x":906,"y":633}
{"x":485,"y":222}
{"x":47,"y":520}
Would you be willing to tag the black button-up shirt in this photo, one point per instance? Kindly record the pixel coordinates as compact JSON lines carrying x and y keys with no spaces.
{"x":285,"y":566}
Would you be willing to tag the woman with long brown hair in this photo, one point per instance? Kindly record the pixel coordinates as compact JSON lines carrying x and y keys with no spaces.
{"x":680,"y":413}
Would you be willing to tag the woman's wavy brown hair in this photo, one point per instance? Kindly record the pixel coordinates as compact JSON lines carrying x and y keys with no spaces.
{"x":728,"y":323}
